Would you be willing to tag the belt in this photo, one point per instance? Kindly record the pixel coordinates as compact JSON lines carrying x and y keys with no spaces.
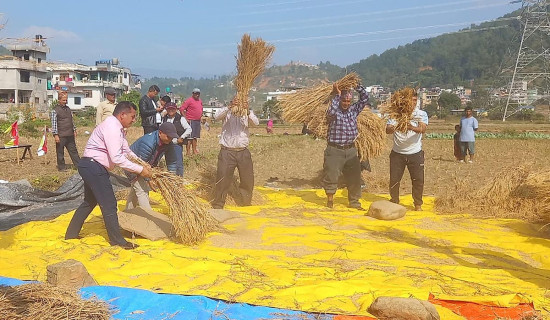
{"x":343,"y":147}
{"x":87,"y":158}
{"x":233,"y":149}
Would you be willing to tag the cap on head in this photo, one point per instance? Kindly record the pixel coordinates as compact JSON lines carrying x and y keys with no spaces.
{"x":110,"y":91}
{"x":196,"y":90}
{"x":169,"y":129}
{"x":170,"y":105}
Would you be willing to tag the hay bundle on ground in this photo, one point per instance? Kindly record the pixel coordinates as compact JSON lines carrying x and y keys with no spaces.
{"x":515,"y":192}
{"x":188,"y":212}
{"x":208,"y":181}
{"x":252,"y":59}
{"x":401,"y":107}
{"x":47,"y":302}
{"x":309,"y":106}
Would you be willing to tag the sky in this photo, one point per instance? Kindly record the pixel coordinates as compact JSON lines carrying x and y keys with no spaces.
{"x":181,"y":38}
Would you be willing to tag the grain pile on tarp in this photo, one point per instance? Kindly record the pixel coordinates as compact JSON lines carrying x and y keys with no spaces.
{"x":515,"y":192}
{"x":309,"y":106}
{"x":401,"y":106}
{"x":188,"y":212}
{"x":205,"y":188}
{"x":253,"y":56}
{"x":47,"y":302}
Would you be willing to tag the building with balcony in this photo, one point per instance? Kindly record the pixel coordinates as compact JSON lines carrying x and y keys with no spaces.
{"x":23,"y":77}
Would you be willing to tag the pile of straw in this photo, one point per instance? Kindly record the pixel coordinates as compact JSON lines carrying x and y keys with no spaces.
{"x":515,"y":192}
{"x":309,"y":106}
{"x":47,"y":302}
{"x":188,"y":212}
{"x":207,"y":182}
{"x":253,"y":56}
{"x":401,"y":107}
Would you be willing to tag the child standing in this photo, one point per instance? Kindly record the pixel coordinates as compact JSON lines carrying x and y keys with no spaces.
{"x":456,"y":138}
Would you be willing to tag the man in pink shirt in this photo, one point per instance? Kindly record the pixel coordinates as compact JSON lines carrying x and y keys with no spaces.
{"x":191,"y":109}
{"x":106,"y":148}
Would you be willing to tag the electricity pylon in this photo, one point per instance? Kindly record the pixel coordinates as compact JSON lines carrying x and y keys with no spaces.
{"x":531,"y":78}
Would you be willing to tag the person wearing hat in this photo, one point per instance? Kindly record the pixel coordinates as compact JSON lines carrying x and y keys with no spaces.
{"x":64,"y":131}
{"x":174,"y":152}
{"x":150,"y":149}
{"x":340,"y":156}
{"x":106,"y":107}
{"x":191,"y":109}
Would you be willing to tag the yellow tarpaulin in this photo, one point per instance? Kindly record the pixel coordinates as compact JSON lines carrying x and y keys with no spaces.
{"x":294,"y":253}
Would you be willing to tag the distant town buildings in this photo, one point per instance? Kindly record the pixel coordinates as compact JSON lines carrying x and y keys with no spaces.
{"x":29,"y":80}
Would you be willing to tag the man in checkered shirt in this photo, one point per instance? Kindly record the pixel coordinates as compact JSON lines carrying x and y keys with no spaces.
{"x":341,"y":154}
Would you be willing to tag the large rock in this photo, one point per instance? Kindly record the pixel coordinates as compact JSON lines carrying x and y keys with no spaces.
{"x":146,"y":223}
{"x":222,"y":215}
{"x":386,"y":210}
{"x":69,"y":273}
{"x":394,"y":308}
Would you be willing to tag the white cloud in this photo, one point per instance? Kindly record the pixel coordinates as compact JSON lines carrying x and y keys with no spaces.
{"x":52,"y":34}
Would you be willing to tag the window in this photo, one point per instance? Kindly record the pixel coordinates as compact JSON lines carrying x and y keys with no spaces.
{"x":24,"y":76}
{"x":39,"y":80}
{"x":26,"y":57}
{"x":87,"y":93}
{"x":39,"y":60}
{"x":77,"y":101}
{"x":36,"y":100}
{"x":125,"y":75}
{"x":64,"y":77}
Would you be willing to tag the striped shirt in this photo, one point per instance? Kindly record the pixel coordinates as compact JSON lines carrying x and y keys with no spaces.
{"x":342,"y":124}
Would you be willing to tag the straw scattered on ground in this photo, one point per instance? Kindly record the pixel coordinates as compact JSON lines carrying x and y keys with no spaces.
{"x":401,"y":106}
{"x":515,"y":192}
{"x":309,"y":106}
{"x":253,"y":56}
{"x":47,"y":302}
{"x":188,"y":212}
{"x":205,"y":188}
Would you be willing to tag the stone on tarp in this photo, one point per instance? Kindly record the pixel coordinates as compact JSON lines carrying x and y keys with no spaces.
{"x":395,"y":308}
{"x":386,"y":210}
{"x":222,"y":215}
{"x":146,"y":223}
{"x":69,"y":273}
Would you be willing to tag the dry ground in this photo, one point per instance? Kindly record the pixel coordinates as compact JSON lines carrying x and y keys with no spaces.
{"x":295,"y":161}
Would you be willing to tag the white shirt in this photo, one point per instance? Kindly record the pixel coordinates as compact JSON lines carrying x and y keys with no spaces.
{"x":235,"y":128}
{"x":409,"y":142}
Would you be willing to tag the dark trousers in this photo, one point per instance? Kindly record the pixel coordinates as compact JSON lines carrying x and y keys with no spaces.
{"x":346,"y":162}
{"x":228,"y":160}
{"x":69,"y":143}
{"x":415,"y":165}
{"x":97,"y":190}
{"x":147,"y":130}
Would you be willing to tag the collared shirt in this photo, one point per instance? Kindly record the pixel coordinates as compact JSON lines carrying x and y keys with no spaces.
{"x":53,"y":118}
{"x":192,"y":109}
{"x":108,"y":146}
{"x":409,"y":142}
{"x":342,"y":125}
{"x":104,"y":109}
{"x":235,"y":128}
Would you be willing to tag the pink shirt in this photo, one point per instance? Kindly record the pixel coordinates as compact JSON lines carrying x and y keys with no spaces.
{"x":192,"y":109}
{"x":108,"y":146}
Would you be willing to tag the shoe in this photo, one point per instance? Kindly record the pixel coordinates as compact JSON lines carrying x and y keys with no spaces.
{"x":461,"y":161}
{"x":360,"y":208}
{"x":470,"y":161}
{"x":128,"y":245}
{"x":330,"y":203}
{"x":417,"y":207}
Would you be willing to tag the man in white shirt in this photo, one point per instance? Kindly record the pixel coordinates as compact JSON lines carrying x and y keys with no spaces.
{"x":407,"y":152}
{"x":234,"y":153}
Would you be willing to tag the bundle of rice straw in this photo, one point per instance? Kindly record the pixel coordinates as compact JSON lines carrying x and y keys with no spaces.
{"x":253,"y":56}
{"x":188,"y":212}
{"x":47,"y":302}
{"x":401,"y":106}
{"x":309,"y":106}
{"x":206,"y":189}
{"x":515,"y":192}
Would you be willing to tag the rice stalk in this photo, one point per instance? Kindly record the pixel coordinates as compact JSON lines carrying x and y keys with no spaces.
{"x":400,"y":108}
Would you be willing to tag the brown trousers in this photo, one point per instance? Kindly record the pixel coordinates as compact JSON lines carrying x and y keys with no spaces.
{"x":346,"y":162}
{"x":228,"y":160}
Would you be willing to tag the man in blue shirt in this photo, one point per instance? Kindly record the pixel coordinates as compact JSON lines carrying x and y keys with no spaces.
{"x":468,"y":126}
{"x":341,"y":154}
